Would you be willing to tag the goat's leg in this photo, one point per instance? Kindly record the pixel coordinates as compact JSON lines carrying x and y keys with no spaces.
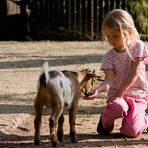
{"x":60,"y":128}
{"x":72,"y":118}
{"x":53,"y":124}
{"x":53,"y":137}
{"x":37,"y":122}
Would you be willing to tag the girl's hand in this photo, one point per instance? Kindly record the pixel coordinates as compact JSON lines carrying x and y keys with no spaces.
{"x":91,"y":97}
{"x":116,"y":96}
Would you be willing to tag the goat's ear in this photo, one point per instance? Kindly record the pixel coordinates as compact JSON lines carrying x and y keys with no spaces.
{"x":89,"y":71}
{"x":75,"y":73}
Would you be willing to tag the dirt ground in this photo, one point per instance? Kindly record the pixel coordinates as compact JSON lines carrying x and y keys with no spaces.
{"x":20,"y":64}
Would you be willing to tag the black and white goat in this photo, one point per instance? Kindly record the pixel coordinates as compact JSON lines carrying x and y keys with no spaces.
{"x":59,"y":90}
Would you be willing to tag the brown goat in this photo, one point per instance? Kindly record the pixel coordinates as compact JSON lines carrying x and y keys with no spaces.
{"x":59,"y":90}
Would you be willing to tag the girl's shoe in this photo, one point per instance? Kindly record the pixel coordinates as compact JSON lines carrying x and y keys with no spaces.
{"x":100,"y":128}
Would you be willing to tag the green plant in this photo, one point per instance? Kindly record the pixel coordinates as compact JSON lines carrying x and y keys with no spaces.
{"x":139,"y":11}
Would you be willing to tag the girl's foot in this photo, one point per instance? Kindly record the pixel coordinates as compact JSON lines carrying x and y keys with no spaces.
{"x":100,"y":128}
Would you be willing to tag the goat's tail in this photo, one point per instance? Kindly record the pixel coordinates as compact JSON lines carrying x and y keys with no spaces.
{"x":45,"y":70}
{"x":44,"y":77}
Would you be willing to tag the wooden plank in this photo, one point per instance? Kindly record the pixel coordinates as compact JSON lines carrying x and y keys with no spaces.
{"x":12,"y":8}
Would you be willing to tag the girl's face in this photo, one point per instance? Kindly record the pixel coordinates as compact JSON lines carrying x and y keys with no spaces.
{"x":114,"y":37}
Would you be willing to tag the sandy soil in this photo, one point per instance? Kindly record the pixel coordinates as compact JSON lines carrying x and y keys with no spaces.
{"x":20,"y":64}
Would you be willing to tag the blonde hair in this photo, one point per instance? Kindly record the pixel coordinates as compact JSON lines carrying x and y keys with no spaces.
{"x":121,"y":20}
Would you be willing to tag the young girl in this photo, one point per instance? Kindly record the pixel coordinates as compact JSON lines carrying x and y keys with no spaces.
{"x":125,"y":79}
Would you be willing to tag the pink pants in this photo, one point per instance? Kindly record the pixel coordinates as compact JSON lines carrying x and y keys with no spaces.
{"x":135,"y":120}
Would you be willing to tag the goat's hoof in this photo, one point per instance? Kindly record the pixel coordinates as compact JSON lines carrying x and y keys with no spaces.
{"x":60,"y":138}
{"x":54,"y":144}
{"x":73,"y":136}
{"x":37,"y":142}
{"x":74,"y":139}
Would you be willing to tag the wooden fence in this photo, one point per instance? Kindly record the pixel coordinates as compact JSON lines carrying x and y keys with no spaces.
{"x":65,"y":19}
{"x":75,"y":19}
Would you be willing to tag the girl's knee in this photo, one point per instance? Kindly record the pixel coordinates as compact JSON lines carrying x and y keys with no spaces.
{"x":117,"y":107}
{"x":130,"y":131}
{"x":133,"y":127}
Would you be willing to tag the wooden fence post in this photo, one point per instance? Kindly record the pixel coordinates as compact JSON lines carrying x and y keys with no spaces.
{"x":75,"y":18}
{"x":92,"y":19}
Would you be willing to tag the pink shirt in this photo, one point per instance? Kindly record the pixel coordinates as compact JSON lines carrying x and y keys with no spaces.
{"x":120,"y":64}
